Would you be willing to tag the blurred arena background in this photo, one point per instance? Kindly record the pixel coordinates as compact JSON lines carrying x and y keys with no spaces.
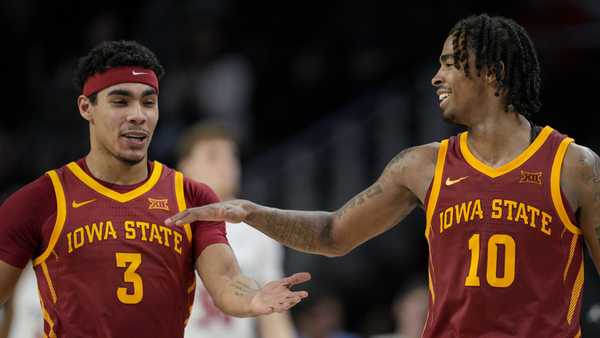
{"x":323,"y":94}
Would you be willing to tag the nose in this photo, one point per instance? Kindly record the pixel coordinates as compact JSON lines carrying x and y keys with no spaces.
{"x":436,"y":81}
{"x":136,"y":115}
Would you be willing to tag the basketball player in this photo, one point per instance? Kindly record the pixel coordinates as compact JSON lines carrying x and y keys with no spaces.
{"x":208,"y":153}
{"x":506,"y":202}
{"x":105,"y":263}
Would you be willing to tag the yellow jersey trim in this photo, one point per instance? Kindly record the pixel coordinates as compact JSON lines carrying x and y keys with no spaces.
{"x":51,"y":333}
{"x":575,"y":294}
{"x":180,"y":194}
{"x":49,"y":281}
{"x":61,"y":216}
{"x":571,"y":254}
{"x":436,"y":185}
{"x":515,"y":163}
{"x":119,"y":197}
{"x":555,"y":190}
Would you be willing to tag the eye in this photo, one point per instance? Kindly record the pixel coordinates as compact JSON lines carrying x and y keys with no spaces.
{"x":149,"y":103}
{"x":119,"y":102}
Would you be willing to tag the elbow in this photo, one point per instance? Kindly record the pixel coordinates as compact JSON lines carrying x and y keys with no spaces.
{"x":337,"y":250}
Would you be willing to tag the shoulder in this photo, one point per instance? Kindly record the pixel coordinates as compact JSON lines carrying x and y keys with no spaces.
{"x":34,"y":192}
{"x":579,"y":160}
{"x":580,"y":173}
{"x":197,"y":193}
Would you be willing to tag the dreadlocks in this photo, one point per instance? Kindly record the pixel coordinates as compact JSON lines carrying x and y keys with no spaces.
{"x":505,"y":49}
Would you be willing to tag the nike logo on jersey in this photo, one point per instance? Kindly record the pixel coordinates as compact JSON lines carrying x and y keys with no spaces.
{"x":450,"y":182}
{"x":76,"y":204}
{"x":133,"y":72}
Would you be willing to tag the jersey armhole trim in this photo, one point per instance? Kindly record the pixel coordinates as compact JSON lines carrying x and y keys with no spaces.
{"x":436,"y":185}
{"x":61,"y":216}
{"x":555,"y":190}
{"x":180,"y":194}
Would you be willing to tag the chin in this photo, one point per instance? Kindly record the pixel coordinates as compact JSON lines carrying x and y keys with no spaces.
{"x":131,"y":159}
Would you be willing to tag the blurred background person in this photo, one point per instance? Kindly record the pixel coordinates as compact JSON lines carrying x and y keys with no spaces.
{"x":409,"y":310}
{"x":208,"y":153}
{"x":321,"y":316}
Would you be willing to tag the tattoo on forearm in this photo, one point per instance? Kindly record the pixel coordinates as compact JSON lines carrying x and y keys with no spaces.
{"x":298,"y":229}
{"x":242,"y":289}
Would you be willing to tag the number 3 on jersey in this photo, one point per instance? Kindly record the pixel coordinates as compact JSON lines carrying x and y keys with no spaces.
{"x":130,"y":261}
{"x":508,"y":277}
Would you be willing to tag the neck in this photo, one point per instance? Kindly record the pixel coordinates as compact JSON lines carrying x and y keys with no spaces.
{"x":113,"y":170}
{"x":499,"y":138}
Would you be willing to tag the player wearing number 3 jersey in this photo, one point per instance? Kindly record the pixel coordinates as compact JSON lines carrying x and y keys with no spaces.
{"x":506,"y":202}
{"x":106,"y":263}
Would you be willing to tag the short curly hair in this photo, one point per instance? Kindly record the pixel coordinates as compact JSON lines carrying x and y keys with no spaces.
{"x":110,"y":54}
{"x":497,"y":41}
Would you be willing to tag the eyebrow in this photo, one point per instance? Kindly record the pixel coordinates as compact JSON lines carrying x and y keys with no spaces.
{"x":123,"y":92}
{"x":445,"y":57}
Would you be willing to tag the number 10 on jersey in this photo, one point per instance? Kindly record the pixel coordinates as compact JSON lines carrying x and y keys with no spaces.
{"x":508,"y":276}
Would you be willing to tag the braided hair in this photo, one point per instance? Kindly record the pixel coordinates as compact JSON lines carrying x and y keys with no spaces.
{"x":503,"y":47}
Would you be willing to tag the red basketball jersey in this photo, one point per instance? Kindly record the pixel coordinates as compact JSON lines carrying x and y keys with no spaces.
{"x":111,"y":268}
{"x":505,"y":251}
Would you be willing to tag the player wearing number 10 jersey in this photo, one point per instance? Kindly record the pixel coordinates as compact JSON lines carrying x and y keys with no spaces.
{"x":106,"y":263}
{"x":506,"y":202}
{"x":501,"y":238}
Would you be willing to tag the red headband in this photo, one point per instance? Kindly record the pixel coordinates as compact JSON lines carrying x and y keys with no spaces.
{"x":113,"y":76}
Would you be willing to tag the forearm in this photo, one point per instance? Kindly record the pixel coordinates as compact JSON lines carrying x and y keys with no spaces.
{"x":276,"y":325}
{"x":236,"y":295}
{"x":308,"y":231}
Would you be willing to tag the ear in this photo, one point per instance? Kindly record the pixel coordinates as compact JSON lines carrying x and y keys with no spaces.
{"x":499,"y":69}
{"x":85,"y":107}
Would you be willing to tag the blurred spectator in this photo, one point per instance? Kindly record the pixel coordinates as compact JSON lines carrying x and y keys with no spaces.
{"x":321,"y":316}
{"x":208,"y":153}
{"x":409,"y":311}
{"x":208,"y":81}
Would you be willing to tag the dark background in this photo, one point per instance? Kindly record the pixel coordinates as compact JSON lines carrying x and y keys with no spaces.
{"x":323,"y":94}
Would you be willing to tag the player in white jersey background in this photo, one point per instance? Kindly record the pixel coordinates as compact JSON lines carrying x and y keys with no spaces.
{"x":208,"y":153}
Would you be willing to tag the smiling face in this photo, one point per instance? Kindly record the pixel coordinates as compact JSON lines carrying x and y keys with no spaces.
{"x":122,"y":121}
{"x":459,"y":96}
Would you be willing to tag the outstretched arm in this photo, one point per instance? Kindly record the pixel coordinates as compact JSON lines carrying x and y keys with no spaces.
{"x":385,"y":203}
{"x":581,"y":177}
{"x":241,"y":296}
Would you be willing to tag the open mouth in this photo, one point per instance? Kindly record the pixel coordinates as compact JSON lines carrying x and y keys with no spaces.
{"x":135,"y":138}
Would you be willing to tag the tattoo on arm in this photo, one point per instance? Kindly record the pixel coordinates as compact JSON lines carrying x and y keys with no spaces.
{"x":302,"y":230}
{"x":359,"y":199}
{"x":243,"y":289}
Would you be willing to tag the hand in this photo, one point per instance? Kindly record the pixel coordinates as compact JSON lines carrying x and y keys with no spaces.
{"x":230,"y":211}
{"x":276,"y":296}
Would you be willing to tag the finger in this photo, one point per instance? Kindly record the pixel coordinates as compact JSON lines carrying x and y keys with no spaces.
{"x":299,"y":294}
{"x":177,"y":217}
{"x":284,"y":306}
{"x":296,"y":278}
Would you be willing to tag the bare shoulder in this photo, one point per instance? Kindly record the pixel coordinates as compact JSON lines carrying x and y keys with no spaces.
{"x":580,"y":175}
{"x":581,"y":163}
{"x":413,"y":168}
